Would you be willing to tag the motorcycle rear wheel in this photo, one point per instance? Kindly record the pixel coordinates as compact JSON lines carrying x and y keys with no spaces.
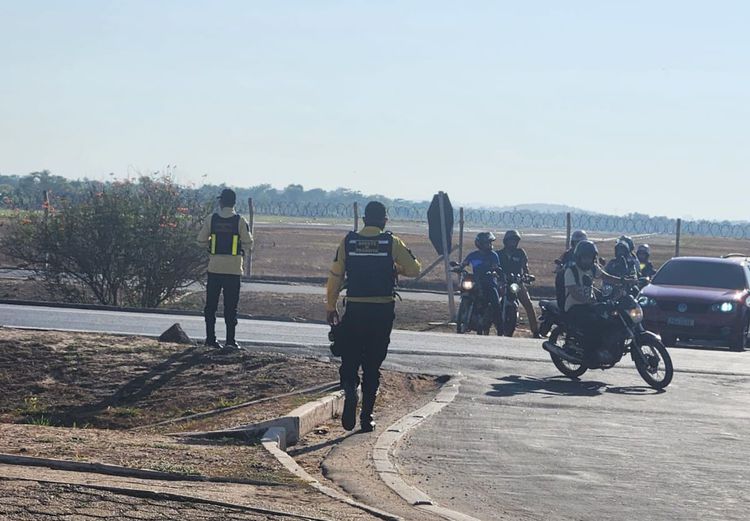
{"x":654,"y":364}
{"x":569,"y":369}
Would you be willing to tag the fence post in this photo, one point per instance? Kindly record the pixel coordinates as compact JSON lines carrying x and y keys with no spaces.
{"x":356,"y":216}
{"x":45,"y":205}
{"x":677,"y":238}
{"x":251,"y":224}
{"x":461,"y":234}
{"x":446,"y":258}
{"x":568,"y":229}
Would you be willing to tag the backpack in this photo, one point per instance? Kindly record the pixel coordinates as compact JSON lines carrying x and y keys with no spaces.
{"x":560,"y":293}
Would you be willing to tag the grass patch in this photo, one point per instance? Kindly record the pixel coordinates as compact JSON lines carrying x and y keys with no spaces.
{"x":126,"y":412}
{"x":173,"y":468}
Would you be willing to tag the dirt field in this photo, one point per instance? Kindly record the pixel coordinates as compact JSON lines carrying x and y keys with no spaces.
{"x":305,"y":251}
{"x":114,"y":382}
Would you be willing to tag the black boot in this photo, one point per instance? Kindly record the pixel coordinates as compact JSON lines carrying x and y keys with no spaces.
{"x":367,"y":424}
{"x":231,"y":343}
{"x":349,"y":416}
{"x":211,"y":335}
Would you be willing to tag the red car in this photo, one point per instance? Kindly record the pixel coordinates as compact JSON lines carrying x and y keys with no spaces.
{"x":700,"y":298}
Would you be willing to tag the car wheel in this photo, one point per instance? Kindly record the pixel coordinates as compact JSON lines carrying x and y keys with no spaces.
{"x":740,"y":342}
{"x":668,"y":340}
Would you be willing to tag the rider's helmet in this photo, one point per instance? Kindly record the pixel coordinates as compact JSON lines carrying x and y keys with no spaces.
{"x":512,"y":237}
{"x":622,"y":250}
{"x":578,"y":236}
{"x":483,"y":241}
{"x":643,"y":252}
{"x":627,"y":240}
{"x":585,"y":255}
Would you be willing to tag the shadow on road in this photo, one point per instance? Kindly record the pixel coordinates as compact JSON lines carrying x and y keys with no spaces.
{"x":514,"y":385}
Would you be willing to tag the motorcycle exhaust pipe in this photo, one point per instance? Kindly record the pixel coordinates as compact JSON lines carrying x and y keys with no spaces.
{"x":552,"y":348}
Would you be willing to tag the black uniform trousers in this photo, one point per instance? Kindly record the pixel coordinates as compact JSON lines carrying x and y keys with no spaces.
{"x":367,"y":330}
{"x":230,"y":286}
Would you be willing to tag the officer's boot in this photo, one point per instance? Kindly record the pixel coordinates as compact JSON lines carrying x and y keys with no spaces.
{"x":211,"y":334}
{"x":365,"y":416}
{"x":231,"y":343}
{"x":349,"y":416}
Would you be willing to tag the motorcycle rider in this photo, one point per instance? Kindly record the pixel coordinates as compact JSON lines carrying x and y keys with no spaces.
{"x":644,"y":254}
{"x":514,"y":260}
{"x":581,"y":297}
{"x":622,"y":265}
{"x":567,"y":257}
{"x":483,"y":261}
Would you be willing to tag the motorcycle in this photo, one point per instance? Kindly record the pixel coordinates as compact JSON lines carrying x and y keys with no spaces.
{"x":509,"y":300}
{"x":474,"y":312}
{"x":626,"y":335}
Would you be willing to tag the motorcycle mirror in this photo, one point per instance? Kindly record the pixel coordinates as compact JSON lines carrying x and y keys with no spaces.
{"x":453,"y":264}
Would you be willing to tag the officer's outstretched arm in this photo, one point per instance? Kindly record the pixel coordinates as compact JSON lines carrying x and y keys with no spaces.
{"x":203,"y":235}
{"x":406,"y":263}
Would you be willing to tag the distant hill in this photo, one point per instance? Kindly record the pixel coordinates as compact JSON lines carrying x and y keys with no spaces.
{"x":542,"y":208}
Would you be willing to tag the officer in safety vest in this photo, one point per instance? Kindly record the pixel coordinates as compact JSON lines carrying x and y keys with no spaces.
{"x":228,"y":237}
{"x":367,"y":264}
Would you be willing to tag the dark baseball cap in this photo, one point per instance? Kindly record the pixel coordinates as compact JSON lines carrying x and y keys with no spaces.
{"x":227,"y":197}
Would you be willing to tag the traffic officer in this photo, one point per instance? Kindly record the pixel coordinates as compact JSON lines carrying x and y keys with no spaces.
{"x":514,"y":260}
{"x":366,"y":263}
{"x":227,"y":235}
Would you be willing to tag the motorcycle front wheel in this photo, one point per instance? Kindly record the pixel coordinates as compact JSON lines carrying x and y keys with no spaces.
{"x":653,"y":363}
{"x":464,"y":317}
{"x":569,"y":369}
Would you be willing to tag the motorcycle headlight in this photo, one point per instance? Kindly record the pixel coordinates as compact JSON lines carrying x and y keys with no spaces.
{"x":636,"y":314}
{"x":514,"y":287}
{"x":646,"y":302}
{"x":467,"y":285}
{"x":723,"y":307}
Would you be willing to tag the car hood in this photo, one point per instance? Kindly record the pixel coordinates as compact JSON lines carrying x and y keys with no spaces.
{"x":690,"y":293}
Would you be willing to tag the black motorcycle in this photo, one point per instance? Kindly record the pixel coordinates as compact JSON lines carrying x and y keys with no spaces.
{"x":509,"y":300}
{"x":474,"y":312}
{"x":625,"y":334}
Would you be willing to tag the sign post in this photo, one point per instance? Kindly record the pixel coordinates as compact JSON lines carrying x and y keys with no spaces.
{"x":251,"y":225}
{"x":446,"y":255}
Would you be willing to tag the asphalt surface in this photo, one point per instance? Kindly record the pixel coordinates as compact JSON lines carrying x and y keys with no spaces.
{"x":522,"y":440}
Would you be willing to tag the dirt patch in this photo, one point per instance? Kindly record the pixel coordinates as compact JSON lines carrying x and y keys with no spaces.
{"x":219,"y":459}
{"x":53,"y":378}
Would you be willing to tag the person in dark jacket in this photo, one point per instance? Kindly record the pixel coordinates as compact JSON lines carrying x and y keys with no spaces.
{"x":366,"y":263}
{"x":514,"y":260}
{"x":644,"y":255}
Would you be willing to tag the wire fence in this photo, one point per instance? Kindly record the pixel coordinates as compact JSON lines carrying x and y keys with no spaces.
{"x":634,"y":224}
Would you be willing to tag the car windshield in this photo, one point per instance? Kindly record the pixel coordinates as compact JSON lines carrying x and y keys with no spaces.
{"x":701,"y":274}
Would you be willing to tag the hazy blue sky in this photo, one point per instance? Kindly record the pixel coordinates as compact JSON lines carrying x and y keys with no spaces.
{"x":607,"y":105}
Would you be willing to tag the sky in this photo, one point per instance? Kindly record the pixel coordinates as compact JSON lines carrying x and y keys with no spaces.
{"x":638,"y":106}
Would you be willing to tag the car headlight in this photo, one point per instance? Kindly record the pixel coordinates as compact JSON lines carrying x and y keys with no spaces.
{"x":636,"y":314}
{"x":467,"y":285}
{"x":514,"y":287}
{"x":646,"y":302}
{"x":723,"y":307}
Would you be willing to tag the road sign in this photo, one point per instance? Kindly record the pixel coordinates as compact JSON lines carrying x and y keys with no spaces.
{"x":435,"y":224}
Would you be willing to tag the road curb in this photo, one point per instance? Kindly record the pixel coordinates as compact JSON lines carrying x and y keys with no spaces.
{"x":388,"y":471}
{"x":289,"y":429}
{"x":272,"y":441}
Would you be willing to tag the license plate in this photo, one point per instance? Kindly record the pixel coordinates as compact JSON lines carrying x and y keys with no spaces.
{"x":680,"y":321}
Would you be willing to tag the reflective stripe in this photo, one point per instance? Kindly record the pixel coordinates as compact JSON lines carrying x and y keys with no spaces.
{"x":234,"y":244}
{"x":213,"y":244}
{"x":355,"y":254}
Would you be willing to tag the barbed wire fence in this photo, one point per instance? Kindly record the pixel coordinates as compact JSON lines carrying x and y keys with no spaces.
{"x":633,"y":224}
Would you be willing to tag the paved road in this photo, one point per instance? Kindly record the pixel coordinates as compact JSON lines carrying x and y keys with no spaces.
{"x":522,"y":440}
{"x":265,"y":287}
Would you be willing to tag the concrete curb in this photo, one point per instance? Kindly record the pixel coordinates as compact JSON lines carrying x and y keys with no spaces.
{"x":272,"y":442}
{"x":388,"y":471}
{"x":288,"y":429}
